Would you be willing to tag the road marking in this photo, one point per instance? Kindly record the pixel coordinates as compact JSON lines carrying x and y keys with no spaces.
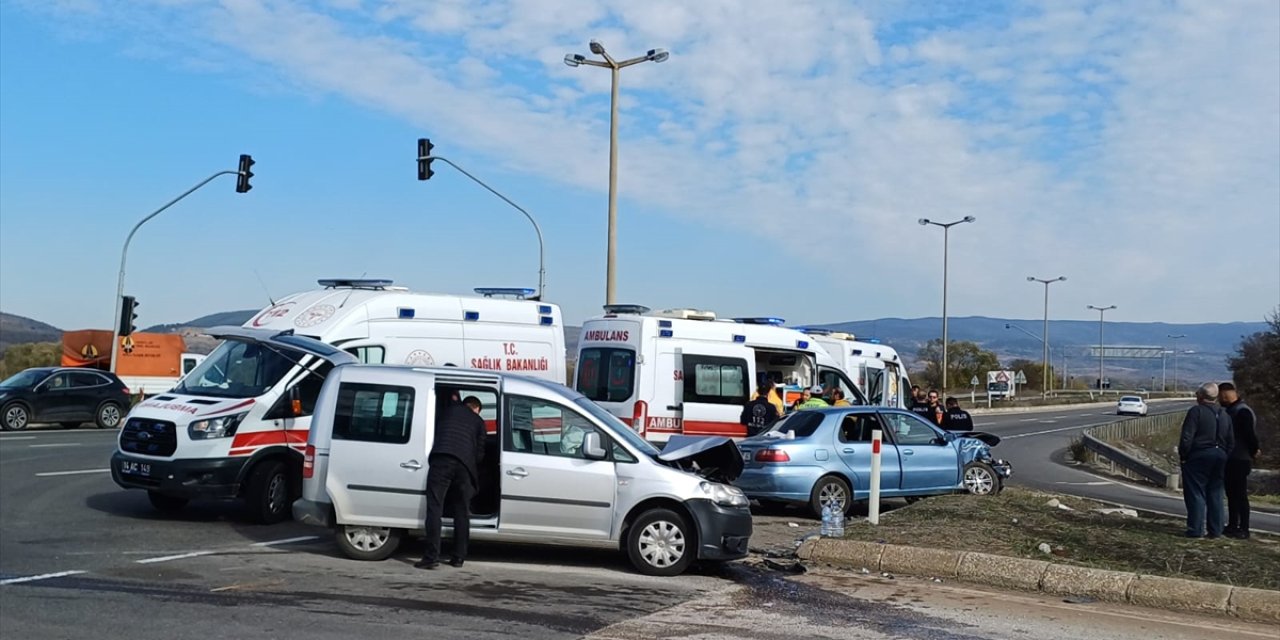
{"x":180,"y":556}
{"x":284,"y":541}
{"x":1047,"y":421}
{"x":49,"y":474}
{"x":44,"y":576}
{"x":17,"y":438}
{"x":1030,"y":419}
{"x":59,"y":444}
{"x":1088,"y":484}
{"x":1040,"y":433}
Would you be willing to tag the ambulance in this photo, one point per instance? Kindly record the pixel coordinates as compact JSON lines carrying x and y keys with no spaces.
{"x":687,"y":372}
{"x":874,"y":367}
{"x":236,"y":425}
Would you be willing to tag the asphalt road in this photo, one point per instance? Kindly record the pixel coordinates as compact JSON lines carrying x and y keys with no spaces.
{"x":1036,"y":443}
{"x":80,"y":557}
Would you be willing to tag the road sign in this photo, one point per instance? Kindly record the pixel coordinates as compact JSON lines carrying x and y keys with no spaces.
{"x":1002,"y":376}
{"x":974,"y":381}
{"x":1021,"y":379}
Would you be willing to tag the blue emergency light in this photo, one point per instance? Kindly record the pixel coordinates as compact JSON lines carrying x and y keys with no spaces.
{"x":767,"y":320}
{"x":857,"y":352}
{"x":629,"y":309}
{"x":405,"y":313}
{"x":544,"y":309}
{"x":546,"y":321}
{"x":666,"y":333}
{"x":518,"y":292}
{"x":471,"y":315}
{"x":664,"y":324}
{"x":802,"y":344}
{"x":738,"y":338}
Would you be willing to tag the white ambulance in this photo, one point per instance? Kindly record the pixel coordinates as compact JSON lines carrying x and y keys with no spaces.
{"x":236,"y":425}
{"x":874,"y":367}
{"x":685,"y":372}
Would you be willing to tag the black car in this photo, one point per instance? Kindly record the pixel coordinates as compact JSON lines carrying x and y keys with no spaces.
{"x":66,"y":396}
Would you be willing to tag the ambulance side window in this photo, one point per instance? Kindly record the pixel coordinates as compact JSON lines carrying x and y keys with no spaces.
{"x":607,"y":374}
{"x":369,"y":355}
{"x":715,"y":380}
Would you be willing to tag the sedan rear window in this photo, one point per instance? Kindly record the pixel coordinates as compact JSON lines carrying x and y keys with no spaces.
{"x":1131,"y":399}
{"x":801,"y":423}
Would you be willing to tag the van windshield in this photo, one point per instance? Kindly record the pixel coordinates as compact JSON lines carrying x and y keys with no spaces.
{"x":620,"y":429}
{"x":237,"y":370}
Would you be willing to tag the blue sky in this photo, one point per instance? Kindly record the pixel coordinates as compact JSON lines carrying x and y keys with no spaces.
{"x":776,"y":164}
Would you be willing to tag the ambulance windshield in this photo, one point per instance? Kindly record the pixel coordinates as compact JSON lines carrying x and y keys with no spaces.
{"x":236,"y":370}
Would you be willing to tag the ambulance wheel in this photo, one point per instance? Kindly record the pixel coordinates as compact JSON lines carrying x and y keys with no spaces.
{"x":830,"y":491}
{"x":367,"y":543}
{"x":108,"y":416}
{"x":981,"y":480}
{"x":167,"y":504}
{"x":268,"y":493}
{"x":661,"y":543}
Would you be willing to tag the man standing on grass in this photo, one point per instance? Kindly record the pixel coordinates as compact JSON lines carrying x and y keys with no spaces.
{"x":1206,"y":438}
{"x":1239,"y":461}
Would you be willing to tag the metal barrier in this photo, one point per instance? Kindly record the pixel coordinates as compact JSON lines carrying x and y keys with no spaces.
{"x":1095,"y":441}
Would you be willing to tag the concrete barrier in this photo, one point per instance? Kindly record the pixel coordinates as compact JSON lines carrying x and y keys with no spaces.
{"x":1255,"y":604}
{"x":935,"y":563}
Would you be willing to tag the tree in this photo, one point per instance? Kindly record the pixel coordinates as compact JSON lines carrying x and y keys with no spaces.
{"x":1032,"y":370}
{"x":31,"y":354}
{"x":964,"y":361}
{"x":1255,"y":369}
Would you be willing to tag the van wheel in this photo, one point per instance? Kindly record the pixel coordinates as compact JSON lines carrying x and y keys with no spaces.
{"x":367,"y":543}
{"x":980,"y":479}
{"x":267,"y":495}
{"x":830,"y":491}
{"x":661,"y":543}
{"x":167,"y":504}
{"x":108,"y":416}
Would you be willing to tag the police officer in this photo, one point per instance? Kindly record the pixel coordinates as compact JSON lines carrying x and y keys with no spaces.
{"x":956,"y":419}
{"x":759,"y":414}
{"x":452,"y":475}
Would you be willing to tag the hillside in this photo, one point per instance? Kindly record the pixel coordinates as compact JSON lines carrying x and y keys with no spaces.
{"x":18,"y":330}
{"x":233,"y":318}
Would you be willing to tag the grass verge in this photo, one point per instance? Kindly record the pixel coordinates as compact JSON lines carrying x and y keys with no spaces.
{"x":1017,"y":521}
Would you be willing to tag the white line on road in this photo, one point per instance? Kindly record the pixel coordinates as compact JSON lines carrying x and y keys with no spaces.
{"x":1047,"y":421}
{"x":59,"y":444}
{"x":48,"y":474}
{"x":17,"y":438}
{"x":1030,"y":419}
{"x":1040,"y":433}
{"x":1088,"y":484}
{"x":181,"y":556}
{"x":45,"y":576}
{"x":285,"y":541}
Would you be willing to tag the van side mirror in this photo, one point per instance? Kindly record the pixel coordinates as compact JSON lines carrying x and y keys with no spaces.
{"x":592,"y":449}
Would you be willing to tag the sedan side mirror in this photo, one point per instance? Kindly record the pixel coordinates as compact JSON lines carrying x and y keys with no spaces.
{"x":592,"y":449}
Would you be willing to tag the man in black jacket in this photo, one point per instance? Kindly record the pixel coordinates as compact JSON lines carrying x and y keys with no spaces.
{"x":759,"y":414}
{"x":1206,"y":438}
{"x":453,"y":474}
{"x":1239,"y":461}
{"x":956,"y":419}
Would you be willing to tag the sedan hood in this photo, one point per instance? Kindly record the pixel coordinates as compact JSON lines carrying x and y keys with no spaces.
{"x":990,"y":439}
{"x":712,"y":457}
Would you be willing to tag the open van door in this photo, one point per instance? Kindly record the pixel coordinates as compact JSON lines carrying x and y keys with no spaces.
{"x":713,"y":383}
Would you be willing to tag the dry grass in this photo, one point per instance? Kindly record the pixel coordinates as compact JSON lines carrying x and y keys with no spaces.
{"x":1017,"y":521}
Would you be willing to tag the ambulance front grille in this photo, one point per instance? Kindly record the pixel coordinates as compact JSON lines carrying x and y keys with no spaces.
{"x":149,"y":437}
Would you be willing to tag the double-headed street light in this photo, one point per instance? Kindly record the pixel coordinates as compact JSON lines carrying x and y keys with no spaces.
{"x":1045,"y":372}
{"x":946,"y":231}
{"x":573,"y":60}
{"x":1102,"y":350}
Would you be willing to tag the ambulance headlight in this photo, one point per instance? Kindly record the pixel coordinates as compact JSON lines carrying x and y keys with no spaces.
{"x":723,"y":494}
{"x":219,"y":427}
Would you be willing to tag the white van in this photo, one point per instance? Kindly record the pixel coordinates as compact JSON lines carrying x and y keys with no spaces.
{"x":873,"y":366}
{"x":558,"y":469}
{"x":236,"y":425}
{"x":683,"y":371}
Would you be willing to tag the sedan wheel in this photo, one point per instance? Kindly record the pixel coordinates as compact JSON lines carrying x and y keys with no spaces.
{"x":15,"y":417}
{"x":980,"y":479}
{"x":830,"y":492}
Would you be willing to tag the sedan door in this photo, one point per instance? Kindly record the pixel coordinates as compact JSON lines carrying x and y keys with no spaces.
{"x":853,"y":445}
{"x":929,"y":462}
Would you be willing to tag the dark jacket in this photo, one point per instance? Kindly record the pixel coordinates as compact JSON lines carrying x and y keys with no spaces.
{"x":1205,"y":427}
{"x":957,"y":420}
{"x":758,"y":415}
{"x":1243,"y":423}
{"x":927,"y":411}
{"x":460,"y":434}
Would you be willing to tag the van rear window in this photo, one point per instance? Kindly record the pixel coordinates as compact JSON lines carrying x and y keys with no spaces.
{"x":373,"y":413}
{"x":607,"y":374}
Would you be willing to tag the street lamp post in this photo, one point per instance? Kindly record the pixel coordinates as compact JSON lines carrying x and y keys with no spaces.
{"x":946,"y":232}
{"x":1045,"y":374}
{"x":242,"y":186}
{"x":1102,"y":350}
{"x":573,"y":60}
{"x":1175,"y":359}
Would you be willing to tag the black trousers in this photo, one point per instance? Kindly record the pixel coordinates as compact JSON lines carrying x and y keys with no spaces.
{"x":448,"y":482}
{"x":1236,"y":480}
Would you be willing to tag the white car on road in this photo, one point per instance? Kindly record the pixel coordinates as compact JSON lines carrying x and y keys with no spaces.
{"x":1131,"y":405}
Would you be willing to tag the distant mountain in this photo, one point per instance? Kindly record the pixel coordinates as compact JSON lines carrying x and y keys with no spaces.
{"x":16,"y":329}
{"x":1203,"y":352}
{"x":234,"y":318}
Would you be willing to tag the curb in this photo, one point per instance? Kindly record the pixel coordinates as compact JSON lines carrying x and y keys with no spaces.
{"x":1254,"y":605}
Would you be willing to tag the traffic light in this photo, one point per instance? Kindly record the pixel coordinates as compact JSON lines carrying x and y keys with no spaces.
{"x":424,"y":163}
{"x":128,"y":314}
{"x":242,"y":180}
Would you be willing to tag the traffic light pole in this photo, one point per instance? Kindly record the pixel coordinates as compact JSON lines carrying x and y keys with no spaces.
{"x":115,"y":336}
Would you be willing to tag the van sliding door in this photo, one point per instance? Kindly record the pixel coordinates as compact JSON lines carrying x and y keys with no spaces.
{"x":715,"y":382}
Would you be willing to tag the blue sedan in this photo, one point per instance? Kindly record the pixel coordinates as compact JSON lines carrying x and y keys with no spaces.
{"x":822,"y":458}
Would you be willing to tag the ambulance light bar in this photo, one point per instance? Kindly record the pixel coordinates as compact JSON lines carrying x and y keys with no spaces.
{"x":769,"y":321}
{"x":686,"y":314}
{"x":815,"y":332}
{"x":355,"y":283}
{"x":626,"y":309}
{"x":518,"y":292}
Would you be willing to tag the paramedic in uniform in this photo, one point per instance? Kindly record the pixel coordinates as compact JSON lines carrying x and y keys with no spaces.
{"x":452,"y":475}
{"x":759,"y":414}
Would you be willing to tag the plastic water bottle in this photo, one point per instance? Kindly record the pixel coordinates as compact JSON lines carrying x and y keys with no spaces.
{"x":837,"y":517}
{"x":826,"y":522}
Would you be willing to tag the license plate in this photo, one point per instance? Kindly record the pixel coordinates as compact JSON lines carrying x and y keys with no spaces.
{"x":746,"y":456}
{"x":130,"y":467}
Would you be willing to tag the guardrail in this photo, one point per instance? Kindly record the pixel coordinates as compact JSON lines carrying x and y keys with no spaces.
{"x":1096,"y":439}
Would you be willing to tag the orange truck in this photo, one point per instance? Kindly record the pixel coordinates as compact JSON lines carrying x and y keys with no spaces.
{"x":148,"y":363}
